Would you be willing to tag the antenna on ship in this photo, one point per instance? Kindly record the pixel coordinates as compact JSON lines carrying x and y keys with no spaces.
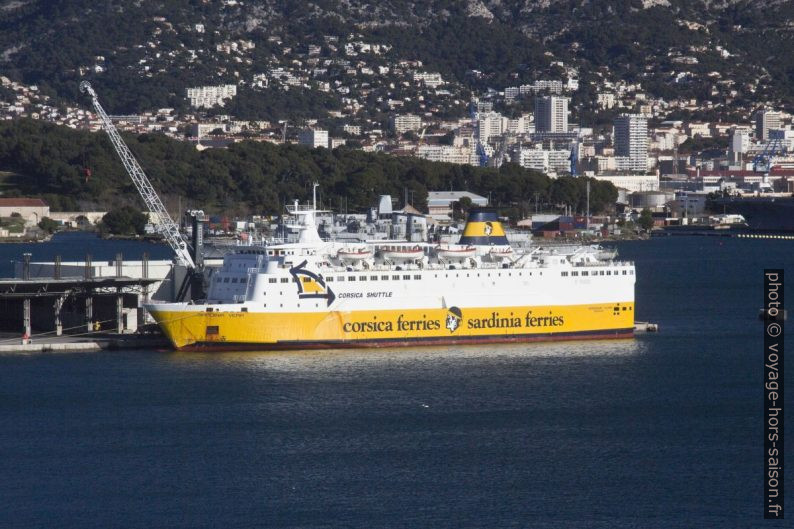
{"x":314,"y":195}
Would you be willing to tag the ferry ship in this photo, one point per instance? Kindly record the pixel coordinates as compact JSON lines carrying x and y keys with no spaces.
{"x":321,"y":294}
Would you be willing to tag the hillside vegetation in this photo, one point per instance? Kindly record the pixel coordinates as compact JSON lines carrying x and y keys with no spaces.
{"x":56,"y":44}
{"x":76,"y":168}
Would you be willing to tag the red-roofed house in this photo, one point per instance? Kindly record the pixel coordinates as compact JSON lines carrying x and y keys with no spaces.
{"x":30,"y":209}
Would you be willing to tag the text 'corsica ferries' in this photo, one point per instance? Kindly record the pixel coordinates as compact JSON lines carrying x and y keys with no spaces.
{"x":326,"y":294}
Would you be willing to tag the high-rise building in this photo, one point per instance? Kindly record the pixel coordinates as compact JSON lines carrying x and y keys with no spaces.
{"x":631,"y":142}
{"x":490,"y":124}
{"x":313,"y":138}
{"x":766,"y":120}
{"x":551,"y":114}
{"x":740,"y":144}
{"x":404,"y":123}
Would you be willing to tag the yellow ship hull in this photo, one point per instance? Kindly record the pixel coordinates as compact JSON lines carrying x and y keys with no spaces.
{"x":227,"y":328}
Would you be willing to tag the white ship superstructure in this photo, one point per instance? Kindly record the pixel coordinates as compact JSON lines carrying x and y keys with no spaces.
{"x":314,"y":293}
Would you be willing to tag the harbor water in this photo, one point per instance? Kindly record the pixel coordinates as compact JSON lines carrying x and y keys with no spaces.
{"x":661,"y":431}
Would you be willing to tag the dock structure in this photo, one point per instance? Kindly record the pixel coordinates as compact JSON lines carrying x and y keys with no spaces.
{"x":645,"y":326}
{"x":76,"y":304}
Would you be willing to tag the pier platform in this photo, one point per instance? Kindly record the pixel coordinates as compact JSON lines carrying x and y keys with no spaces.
{"x":645,"y":326}
{"x":107,"y":342}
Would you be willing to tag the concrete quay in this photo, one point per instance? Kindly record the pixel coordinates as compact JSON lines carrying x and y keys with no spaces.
{"x":111,"y":342}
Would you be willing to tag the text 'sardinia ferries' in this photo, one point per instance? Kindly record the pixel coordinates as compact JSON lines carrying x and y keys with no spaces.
{"x":317,"y":294}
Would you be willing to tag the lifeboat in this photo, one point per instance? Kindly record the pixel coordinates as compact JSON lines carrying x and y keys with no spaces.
{"x":402,"y":254}
{"x":460,"y":253}
{"x":354,"y":254}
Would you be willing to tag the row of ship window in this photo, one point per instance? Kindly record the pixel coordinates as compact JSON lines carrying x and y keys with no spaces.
{"x":406,"y":277}
{"x":577,"y":273}
{"x":230,"y":280}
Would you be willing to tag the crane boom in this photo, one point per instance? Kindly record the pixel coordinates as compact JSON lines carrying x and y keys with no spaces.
{"x":164,"y":224}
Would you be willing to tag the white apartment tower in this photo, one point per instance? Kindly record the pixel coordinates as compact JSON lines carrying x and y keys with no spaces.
{"x":551,"y":114}
{"x":210,"y":96}
{"x":490,"y":124}
{"x":766,"y":120}
{"x":631,"y":142}
{"x":404,"y":123}
{"x":313,"y":138}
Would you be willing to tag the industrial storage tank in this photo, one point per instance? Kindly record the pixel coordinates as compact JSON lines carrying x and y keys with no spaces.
{"x":650,"y":199}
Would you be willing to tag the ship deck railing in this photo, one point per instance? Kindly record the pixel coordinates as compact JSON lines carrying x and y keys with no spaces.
{"x":457,"y":267}
{"x":603,"y":264}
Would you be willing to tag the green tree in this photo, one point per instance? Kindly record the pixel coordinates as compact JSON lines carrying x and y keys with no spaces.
{"x":125,"y":220}
{"x":460,"y":208}
{"x":565,"y":190}
{"x":48,"y":225}
{"x":646,"y":219}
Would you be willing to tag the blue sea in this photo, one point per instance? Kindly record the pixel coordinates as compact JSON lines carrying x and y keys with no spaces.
{"x":662,"y":431}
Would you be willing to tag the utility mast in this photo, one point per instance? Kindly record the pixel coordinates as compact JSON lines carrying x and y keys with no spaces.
{"x":164,"y":224}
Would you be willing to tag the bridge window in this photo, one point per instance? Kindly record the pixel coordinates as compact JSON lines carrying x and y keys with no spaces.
{"x":351,"y":278}
{"x":373,"y":278}
{"x":285,"y":280}
{"x":384,"y":278}
{"x":395,"y":278}
{"x":564,"y":274}
{"x":407,"y":277}
{"x":362,"y":278}
{"x":575,"y":274}
{"x":584,"y":273}
{"x":271,"y":280}
{"x":417,"y":276}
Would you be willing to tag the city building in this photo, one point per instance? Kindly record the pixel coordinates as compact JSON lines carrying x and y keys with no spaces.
{"x":766,"y":120}
{"x":313,"y":138}
{"x":740,"y":144}
{"x":439,"y":203}
{"x":518,"y":125}
{"x":631,"y":142}
{"x":447,"y":153}
{"x":605,"y":100}
{"x":634,"y":183}
{"x":490,"y":124}
{"x":431,"y":80}
{"x":210,"y":96}
{"x":403,"y":123}
{"x":544,"y":160}
{"x":551,"y":114}
{"x":31,"y":210}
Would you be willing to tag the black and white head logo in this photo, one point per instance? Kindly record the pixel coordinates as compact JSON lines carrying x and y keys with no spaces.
{"x":488,"y":229}
{"x":453,"y":319}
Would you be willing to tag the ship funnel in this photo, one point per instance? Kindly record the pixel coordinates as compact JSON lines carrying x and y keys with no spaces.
{"x":483,"y":229}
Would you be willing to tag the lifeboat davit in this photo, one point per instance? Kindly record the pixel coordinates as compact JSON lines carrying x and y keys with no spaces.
{"x":505,"y":252}
{"x":460,"y":253}
{"x":402,"y":254}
